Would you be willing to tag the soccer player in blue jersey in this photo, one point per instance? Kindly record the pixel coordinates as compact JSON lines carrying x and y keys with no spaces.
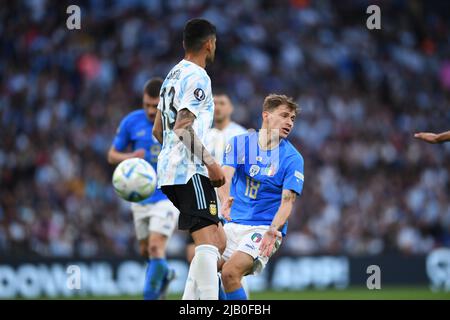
{"x":264,"y":175}
{"x":154,"y":218}
{"x":224,"y":129}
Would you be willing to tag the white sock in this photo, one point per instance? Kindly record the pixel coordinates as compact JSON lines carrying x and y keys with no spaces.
{"x":190,"y":289}
{"x":204,"y":271}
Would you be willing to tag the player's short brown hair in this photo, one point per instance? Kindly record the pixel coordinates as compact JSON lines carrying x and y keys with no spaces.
{"x":273,"y":101}
{"x":153,"y":86}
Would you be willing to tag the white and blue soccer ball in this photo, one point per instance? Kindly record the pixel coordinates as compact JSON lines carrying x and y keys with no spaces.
{"x":134,"y":180}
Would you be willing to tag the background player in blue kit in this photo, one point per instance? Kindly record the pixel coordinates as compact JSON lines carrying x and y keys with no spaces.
{"x":154,"y":218}
{"x":264,"y":174}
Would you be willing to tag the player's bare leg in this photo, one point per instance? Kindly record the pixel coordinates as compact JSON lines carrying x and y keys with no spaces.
{"x":157,"y":271}
{"x":157,"y":243}
{"x":239,"y":265}
{"x":210,"y":235}
{"x":143,"y":248}
{"x":190,"y":251}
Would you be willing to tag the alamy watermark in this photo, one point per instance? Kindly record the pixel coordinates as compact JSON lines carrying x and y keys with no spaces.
{"x":73,"y":281}
{"x":374,"y":20}
{"x":374,"y":280}
{"x":74,"y":20}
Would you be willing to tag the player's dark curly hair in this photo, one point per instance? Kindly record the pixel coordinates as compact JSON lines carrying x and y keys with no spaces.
{"x":196,"y":32}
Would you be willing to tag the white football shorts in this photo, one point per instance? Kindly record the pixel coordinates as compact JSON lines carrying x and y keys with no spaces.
{"x":160,"y":217}
{"x":247,"y":239}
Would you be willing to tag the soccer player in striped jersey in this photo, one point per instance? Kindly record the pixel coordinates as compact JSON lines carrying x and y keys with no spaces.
{"x":187,"y":171}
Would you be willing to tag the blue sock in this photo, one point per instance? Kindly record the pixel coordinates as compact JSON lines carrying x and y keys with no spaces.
{"x":238,"y":294}
{"x":156,"y":272}
{"x":222,"y":294}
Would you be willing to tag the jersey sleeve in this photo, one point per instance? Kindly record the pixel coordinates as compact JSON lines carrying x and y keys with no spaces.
{"x":193,"y":92}
{"x":293,"y":179}
{"x":122,"y":138}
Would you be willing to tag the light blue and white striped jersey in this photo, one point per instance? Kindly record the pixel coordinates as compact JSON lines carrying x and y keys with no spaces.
{"x":187,"y":86}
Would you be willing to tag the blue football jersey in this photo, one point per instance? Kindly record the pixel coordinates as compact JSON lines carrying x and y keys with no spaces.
{"x":260,"y":177}
{"x":136,"y":130}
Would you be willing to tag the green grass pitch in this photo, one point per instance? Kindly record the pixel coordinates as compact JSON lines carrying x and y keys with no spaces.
{"x":385,"y":293}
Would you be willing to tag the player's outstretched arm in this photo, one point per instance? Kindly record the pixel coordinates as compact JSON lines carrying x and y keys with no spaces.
{"x":433,"y":137}
{"x":284,"y":211}
{"x":183,"y":129}
{"x":116,"y":157}
{"x":157,"y":128}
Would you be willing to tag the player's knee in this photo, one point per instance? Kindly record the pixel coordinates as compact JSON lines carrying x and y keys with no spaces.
{"x":221,"y":246}
{"x":156,"y":247}
{"x":230,"y":276}
{"x":190,"y":252}
{"x":155,"y":250}
{"x":221,"y":241}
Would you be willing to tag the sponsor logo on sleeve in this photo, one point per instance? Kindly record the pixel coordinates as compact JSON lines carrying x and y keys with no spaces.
{"x":199,"y":94}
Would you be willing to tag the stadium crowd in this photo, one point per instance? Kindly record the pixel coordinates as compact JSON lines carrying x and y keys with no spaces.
{"x":370,"y":188}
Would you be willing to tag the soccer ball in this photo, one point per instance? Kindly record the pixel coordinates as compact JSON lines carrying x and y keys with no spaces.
{"x":134,"y":180}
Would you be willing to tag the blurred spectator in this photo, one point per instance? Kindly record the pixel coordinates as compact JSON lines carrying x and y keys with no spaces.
{"x":370,"y":188}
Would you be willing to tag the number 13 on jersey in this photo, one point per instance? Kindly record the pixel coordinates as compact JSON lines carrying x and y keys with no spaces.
{"x":168,"y":120}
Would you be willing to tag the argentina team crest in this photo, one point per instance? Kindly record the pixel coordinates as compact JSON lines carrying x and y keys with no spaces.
{"x":213,"y":208}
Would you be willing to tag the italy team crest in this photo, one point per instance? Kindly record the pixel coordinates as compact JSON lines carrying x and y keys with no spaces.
{"x":254,"y":169}
{"x":256,"y":237}
{"x":270,"y":170}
